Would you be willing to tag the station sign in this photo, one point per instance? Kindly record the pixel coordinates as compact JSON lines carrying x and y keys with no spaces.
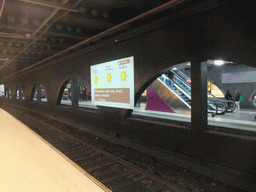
{"x":239,"y":77}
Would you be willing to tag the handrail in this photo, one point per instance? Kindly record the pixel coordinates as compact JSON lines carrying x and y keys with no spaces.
{"x":182,"y":82}
{"x":185,"y":82}
{"x":182,"y":74}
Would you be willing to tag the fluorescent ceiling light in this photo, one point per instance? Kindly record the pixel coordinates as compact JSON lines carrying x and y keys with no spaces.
{"x":218,"y":62}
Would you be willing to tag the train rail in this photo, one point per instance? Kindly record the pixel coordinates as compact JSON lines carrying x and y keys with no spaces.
{"x":118,"y":168}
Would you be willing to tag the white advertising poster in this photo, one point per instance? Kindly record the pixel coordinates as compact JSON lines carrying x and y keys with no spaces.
{"x":1,"y":90}
{"x":239,"y":77}
{"x":112,"y":83}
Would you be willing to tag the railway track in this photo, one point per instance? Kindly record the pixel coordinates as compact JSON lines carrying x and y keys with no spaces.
{"x":113,"y":172}
{"x":102,"y":160}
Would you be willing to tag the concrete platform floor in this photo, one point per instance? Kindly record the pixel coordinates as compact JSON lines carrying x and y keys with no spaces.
{"x":28,"y":163}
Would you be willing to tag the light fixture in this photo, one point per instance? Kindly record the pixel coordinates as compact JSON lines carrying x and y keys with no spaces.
{"x":218,"y":62}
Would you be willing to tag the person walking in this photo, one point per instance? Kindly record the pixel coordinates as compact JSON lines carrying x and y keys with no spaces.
{"x":237,"y":100}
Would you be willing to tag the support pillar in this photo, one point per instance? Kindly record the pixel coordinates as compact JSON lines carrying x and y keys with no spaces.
{"x":199,"y":96}
{"x":39,"y":93}
{"x":20,"y":93}
{"x":75,"y":92}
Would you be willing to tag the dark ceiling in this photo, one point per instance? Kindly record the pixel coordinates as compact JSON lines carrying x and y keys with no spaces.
{"x":34,"y":30}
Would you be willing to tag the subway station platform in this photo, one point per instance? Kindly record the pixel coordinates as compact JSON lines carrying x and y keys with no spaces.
{"x":29,"y":163}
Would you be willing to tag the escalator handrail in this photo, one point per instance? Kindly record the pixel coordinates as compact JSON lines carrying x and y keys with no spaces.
{"x":182,"y":80}
{"x":224,"y":101}
{"x":215,"y":106}
{"x":219,"y":109}
{"x":179,"y":82}
{"x":188,"y":96}
{"x":176,"y":74}
{"x":183,"y":75}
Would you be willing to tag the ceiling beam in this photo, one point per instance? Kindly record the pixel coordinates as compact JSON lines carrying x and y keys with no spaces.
{"x":2,"y":8}
{"x":52,"y":5}
{"x":17,"y":36}
{"x":46,"y":45}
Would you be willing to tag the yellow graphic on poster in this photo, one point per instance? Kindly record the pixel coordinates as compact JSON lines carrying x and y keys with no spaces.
{"x":109,"y":77}
{"x":123,"y":75}
{"x":113,"y":83}
{"x":95,"y":79}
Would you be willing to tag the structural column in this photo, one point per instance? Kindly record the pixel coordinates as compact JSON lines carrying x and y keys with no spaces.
{"x":75,"y":93}
{"x":39,"y":92}
{"x":199,"y":96}
{"x":20,"y":92}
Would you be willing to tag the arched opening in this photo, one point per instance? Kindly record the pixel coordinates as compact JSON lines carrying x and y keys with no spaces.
{"x":38,"y":93}
{"x":64,"y":96}
{"x":167,"y":95}
{"x":19,"y":94}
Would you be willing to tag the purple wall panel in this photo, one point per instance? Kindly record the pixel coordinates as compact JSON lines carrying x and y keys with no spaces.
{"x":155,"y":103}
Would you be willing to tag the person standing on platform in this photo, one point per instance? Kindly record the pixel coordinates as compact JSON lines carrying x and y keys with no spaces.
{"x":228,"y":95}
{"x":237,"y":100}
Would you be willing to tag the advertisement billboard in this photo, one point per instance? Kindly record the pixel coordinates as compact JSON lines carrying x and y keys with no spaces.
{"x":112,"y":83}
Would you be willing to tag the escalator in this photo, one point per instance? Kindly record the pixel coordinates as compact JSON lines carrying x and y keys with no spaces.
{"x":229,"y":104}
{"x":178,"y":97}
{"x":222,"y":107}
{"x":222,"y":104}
{"x":178,"y":101}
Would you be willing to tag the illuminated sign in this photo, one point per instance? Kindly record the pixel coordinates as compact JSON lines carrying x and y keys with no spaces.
{"x":112,"y":83}
{"x":239,"y":77}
